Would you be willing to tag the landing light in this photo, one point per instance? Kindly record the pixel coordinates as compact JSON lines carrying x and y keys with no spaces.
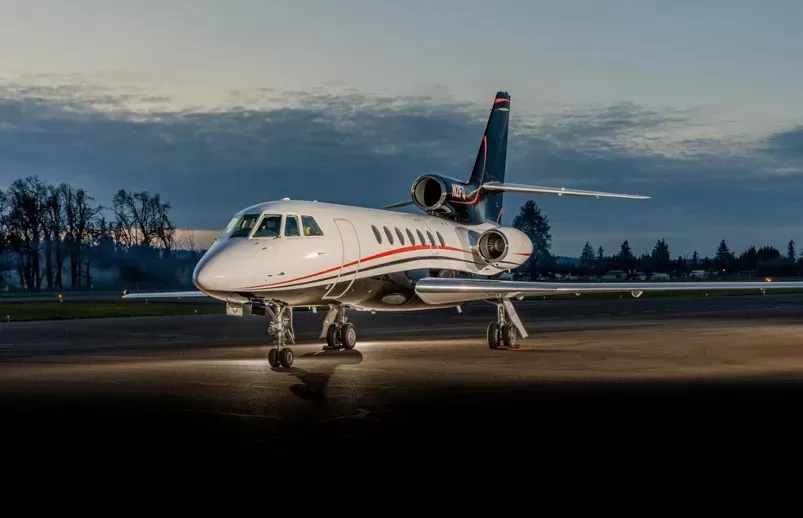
{"x":768,"y":279}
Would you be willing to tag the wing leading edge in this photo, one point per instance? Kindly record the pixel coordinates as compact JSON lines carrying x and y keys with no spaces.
{"x":537,"y":189}
{"x":559,"y":191}
{"x":445,"y":291}
{"x":164,"y":295}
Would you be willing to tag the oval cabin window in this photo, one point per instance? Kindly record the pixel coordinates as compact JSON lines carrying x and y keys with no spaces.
{"x":377,"y":235}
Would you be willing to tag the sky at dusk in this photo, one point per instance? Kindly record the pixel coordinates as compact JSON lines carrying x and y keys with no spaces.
{"x":217,"y":105}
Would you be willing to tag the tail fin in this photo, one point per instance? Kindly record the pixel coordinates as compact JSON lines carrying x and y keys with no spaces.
{"x":479,"y":200}
{"x":491,"y":161}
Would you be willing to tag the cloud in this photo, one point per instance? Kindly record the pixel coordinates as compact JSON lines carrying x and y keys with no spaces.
{"x":351,"y":147}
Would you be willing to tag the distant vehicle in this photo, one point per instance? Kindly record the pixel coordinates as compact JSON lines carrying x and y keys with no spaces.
{"x":282,"y":254}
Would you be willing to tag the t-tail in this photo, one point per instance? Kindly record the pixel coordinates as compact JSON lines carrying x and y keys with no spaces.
{"x":489,"y":167}
{"x":479,"y":200}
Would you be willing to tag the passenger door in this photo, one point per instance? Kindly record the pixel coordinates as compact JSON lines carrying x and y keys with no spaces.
{"x":351,"y":255}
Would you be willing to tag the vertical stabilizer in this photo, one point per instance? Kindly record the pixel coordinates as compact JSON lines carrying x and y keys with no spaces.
{"x":489,"y":165}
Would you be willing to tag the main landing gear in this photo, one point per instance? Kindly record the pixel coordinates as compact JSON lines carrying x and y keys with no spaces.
{"x":339,"y":333}
{"x":504,"y":333}
{"x":281,"y":329}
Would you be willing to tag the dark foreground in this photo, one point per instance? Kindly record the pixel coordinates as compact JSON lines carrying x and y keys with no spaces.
{"x":637,"y":376}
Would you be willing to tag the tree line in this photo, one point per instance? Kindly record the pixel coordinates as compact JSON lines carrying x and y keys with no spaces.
{"x":752,"y":262}
{"x":55,"y":237}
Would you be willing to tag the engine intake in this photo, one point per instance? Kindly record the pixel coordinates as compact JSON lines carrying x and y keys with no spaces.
{"x":506,"y":245}
{"x":430,"y":192}
{"x":493,"y":246}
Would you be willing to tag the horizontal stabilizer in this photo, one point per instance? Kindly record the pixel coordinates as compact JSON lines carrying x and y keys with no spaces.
{"x":164,"y":295}
{"x":446,"y":291}
{"x":560,"y":191}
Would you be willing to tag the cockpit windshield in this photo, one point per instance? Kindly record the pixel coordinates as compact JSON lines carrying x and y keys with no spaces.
{"x":241,"y":227}
{"x":270,"y":226}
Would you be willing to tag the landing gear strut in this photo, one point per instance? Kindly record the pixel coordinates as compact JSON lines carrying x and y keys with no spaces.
{"x":281,"y":329}
{"x":504,"y":333}
{"x":339,"y":333}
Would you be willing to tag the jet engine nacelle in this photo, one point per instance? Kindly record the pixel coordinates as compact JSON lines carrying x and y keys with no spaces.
{"x":504,"y":247}
{"x":433,"y":192}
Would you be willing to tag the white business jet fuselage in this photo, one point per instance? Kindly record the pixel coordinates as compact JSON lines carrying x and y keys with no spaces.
{"x":359,"y":257}
{"x":283,"y":254}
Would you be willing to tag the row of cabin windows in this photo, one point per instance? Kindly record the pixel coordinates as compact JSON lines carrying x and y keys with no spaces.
{"x":410,"y":236}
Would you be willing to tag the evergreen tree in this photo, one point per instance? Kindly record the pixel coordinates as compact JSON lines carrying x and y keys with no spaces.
{"x":587,"y":257}
{"x":723,"y":258}
{"x":535,"y":224}
{"x":660,"y":255}
{"x":625,"y":258}
{"x":600,"y":259}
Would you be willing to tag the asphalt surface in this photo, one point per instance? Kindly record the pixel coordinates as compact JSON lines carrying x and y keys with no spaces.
{"x":592,"y":374}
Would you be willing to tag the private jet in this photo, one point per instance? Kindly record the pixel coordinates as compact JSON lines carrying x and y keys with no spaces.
{"x":284,"y":254}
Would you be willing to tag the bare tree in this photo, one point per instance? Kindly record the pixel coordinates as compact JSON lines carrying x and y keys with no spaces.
{"x":142,"y":219}
{"x":98,"y":233}
{"x":4,"y":229}
{"x":186,"y":242}
{"x":79,"y":213}
{"x":28,"y":206}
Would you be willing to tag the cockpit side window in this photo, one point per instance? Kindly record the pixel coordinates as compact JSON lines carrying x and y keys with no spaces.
{"x":291,"y":226}
{"x":270,"y":226}
{"x":311,"y":227}
{"x":243,"y":226}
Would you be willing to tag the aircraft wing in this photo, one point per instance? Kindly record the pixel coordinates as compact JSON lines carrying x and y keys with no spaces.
{"x":450,"y":290}
{"x":164,"y":295}
{"x":399,"y":204}
{"x":560,"y":191}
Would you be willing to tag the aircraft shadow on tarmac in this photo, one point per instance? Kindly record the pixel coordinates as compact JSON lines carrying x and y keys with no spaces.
{"x":313,"y":382}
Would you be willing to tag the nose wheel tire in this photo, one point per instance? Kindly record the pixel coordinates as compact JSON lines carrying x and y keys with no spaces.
{"x":286,"y":357}
{"x":273,"y":357}
{"x":283,"y":357}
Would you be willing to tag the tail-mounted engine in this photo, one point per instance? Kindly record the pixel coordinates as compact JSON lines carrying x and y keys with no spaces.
{"x":504,"y":247}
{"x":434,"y":193}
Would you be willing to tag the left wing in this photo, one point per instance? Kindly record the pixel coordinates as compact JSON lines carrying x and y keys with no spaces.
{"x":537,"y":189}
{"x":445,"y":290}
{"x":399,"y":204}
{"x":164,"y":295}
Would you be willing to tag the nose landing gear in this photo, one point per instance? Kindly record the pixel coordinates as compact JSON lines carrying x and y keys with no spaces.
{"x":281,"y":329}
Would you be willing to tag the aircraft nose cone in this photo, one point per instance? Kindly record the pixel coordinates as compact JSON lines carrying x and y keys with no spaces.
{"x":209,"y":276}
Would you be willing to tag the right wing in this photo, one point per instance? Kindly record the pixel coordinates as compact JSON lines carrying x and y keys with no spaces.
{"x":448,"y":291}
{"x":164,"y":295}
{"x":560,"y":191}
